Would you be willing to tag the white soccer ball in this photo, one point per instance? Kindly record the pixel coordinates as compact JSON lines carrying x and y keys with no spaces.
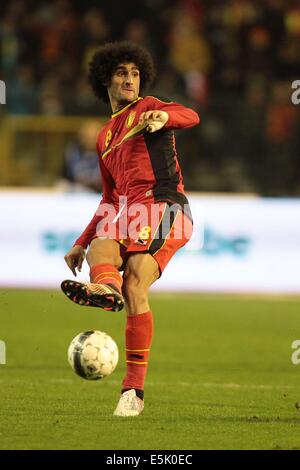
{"x":93,"y":355}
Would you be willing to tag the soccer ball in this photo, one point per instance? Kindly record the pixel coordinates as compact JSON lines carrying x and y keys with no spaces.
{"x":93,"y":355}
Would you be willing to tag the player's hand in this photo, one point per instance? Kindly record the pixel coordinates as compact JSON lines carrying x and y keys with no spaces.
{"x":75,"y":258}
{"x":155,"y":120}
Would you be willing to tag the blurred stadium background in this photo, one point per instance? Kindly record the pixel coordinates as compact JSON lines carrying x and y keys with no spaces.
{"x":234,"y":62}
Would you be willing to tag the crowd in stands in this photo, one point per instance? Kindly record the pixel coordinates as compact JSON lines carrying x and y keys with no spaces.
{"x":233,"y":61}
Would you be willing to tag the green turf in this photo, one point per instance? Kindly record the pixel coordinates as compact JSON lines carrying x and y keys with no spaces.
{"x":220,"y":376}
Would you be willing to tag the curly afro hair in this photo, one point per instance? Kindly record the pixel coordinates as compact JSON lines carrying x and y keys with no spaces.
{"x":109,"y":56}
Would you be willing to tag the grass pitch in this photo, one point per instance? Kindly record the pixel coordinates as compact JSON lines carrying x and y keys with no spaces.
{"x":220,"y":376}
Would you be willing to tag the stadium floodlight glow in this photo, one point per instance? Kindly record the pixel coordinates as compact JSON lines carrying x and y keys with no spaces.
{"x":2,"y":352}
{"x":2,"y":92}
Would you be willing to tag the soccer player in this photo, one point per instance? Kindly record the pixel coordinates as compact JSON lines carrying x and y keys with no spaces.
{"x":143,"y":217}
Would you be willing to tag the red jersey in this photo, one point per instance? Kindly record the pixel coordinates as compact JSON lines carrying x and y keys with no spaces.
{"x":137,"y":164}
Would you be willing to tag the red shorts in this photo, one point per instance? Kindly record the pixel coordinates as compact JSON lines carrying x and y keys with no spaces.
{"x":159,"y":229}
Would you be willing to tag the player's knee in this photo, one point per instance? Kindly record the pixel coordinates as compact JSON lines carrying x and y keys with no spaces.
{"x":134,"y":289}
{"x":103,"y":252}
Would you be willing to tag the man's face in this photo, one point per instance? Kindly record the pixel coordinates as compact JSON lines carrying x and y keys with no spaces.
{"x":125,"y":84}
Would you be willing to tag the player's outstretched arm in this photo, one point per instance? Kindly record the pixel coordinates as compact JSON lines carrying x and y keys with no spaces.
{"x":74,"y":258}
{"x":179,"y":116}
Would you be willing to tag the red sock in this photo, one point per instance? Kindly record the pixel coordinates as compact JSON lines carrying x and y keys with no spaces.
{"x":106,"y":274}
{"x":139,"y":332}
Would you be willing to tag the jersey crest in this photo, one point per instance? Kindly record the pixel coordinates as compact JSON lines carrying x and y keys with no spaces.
{"x":130,"y":119}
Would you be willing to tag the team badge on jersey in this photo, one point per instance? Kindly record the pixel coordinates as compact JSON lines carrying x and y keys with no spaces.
{"x":130,"y":119}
